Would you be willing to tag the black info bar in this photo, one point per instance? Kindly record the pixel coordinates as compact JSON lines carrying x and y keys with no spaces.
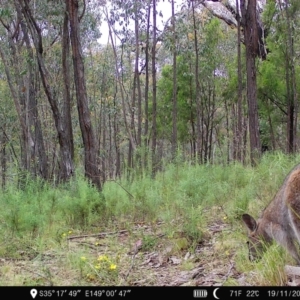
{"x":127,"y":292}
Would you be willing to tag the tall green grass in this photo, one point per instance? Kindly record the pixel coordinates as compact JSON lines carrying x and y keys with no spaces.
{"x":185,"y":197}
{"x":178,"y":192}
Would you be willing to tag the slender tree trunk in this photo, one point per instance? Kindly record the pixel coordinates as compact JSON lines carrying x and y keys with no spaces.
{"x":251,"y":43}
{"x":116,"y":141}
{"x":110,"y":148}
{"x":272,"y":135}
{"x":213,"y":110}
{"x":154,"y":104}
{"x":234,"y":131}
{"x":89,"y":142}
{"x":66,"y":113}
{"x":290,"y":83}
{"x":146,"y":132}
{"x":239,"y":129}
{"x":198,"y":102}
{"x":137,"y":84}
{"x":192,"y":118}
{"x":3,"y":156}
{"x":103,"y":152}
{"x":174,"y":110}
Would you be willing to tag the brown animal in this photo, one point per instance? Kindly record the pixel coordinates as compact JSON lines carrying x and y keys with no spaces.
{"x":280,"y":220}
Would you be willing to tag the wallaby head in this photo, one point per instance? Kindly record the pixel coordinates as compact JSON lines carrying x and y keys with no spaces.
{"x":280,"y":220}
{"x":256,"y":236}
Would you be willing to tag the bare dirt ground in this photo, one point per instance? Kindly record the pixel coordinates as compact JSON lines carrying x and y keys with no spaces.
{"x":143,"y":255}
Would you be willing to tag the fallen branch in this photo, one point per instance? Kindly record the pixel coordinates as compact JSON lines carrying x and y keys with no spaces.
{"x":103,"y":234}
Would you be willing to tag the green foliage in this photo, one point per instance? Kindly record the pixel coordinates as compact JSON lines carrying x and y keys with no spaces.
{"x":148,"y":242}
{"x":83,"y":205}
{"x":39,"y":206}
{"x":185,"y":96}
{"x":186,"y":199}
{"x":275,"y":86}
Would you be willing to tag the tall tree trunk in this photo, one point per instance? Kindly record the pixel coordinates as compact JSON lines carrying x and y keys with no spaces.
{"x":89,"y":142}
{"x":146,"y":128}
{"x":198,"y":102}
{"x":154,"y":104}
{"x":239,"y":129}
{"x":137,"y":84}
{"x":174,"y":110}
{"x":103,"y":152}
{"x":117,"y":139}
{"x":110,"y":148}
{"x":248,"y":11}
{"x":66,"y":70}
{"x":290,"y":81}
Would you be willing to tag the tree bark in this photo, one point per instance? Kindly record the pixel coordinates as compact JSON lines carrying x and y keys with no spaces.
{"x":38,"y":151}
{"x":251,"y":43}
{"x":66,"y":162}
{"x":154,"y":101}
{"x":290,"y":81}
{"x":198,"y":132}
{"x":146,"y":116}
{"x":67,"y":84}
{"x":89,"y":143}
{"x":239,"y":129}
{"x":174,"y":102}
{"x":137,"y":83}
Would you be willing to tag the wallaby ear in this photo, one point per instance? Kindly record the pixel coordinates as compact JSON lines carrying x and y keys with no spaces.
{"x":249,"y":221}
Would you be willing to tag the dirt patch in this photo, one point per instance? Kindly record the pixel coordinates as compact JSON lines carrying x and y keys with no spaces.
{"x":142,"y":257}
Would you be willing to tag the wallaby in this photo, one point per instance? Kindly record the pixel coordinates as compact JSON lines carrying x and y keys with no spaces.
{"x":279,"y":221}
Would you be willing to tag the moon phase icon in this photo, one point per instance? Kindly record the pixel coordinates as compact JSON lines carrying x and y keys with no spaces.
{"x":215,"y":293}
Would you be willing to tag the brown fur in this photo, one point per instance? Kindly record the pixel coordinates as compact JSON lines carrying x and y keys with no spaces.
{"x":280,"y":220}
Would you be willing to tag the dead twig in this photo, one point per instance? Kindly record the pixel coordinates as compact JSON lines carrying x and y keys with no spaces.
{"x":102,"y":234}
{"x":89,"y":245}
{"x":122,"y":187}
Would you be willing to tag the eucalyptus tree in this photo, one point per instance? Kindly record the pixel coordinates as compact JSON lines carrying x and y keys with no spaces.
{"x":7,"y":121}
{"x":20,"y":69}
{"x":41,"y":36}
{"x":254,"y":40}
{"x":197,"y":136}
{"x":121,"y":70}
{"x":290,"y":13}
{"x":278,"y":76}
{"x":201,"y":76}
{"x":238,"y":125}
{"x":154,"y":90}
{"x":174,"y":95}
{"x":87,"y":131}
{"x":31,"y":15}
{"x":133,"y":24}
